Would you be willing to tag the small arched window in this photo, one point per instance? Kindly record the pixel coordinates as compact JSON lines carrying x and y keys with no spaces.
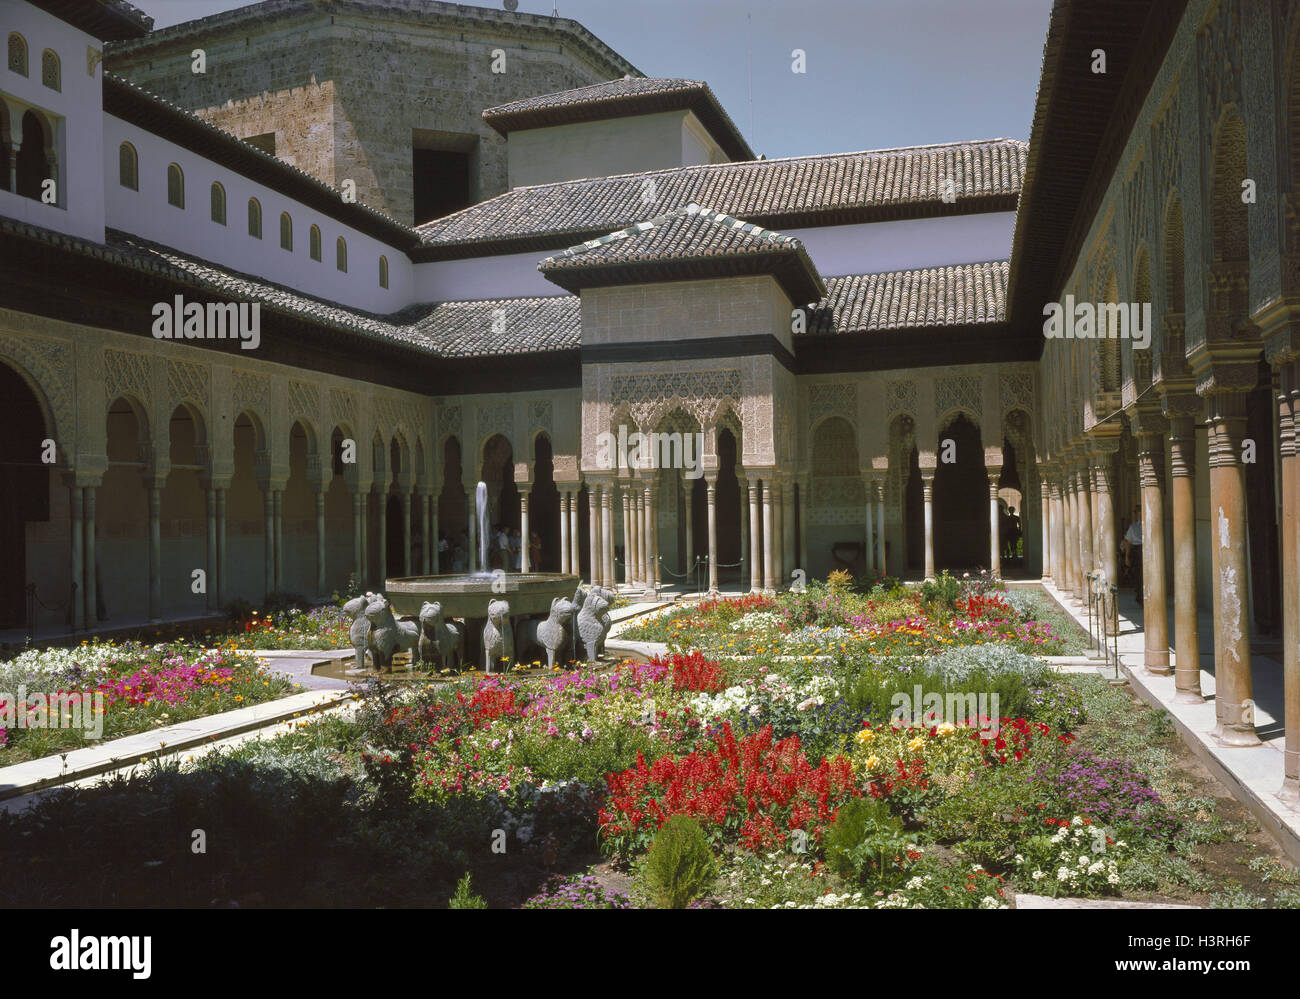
{"x":383,"y":272}
{"x":341,"y":254}
{"x":128,"y":167}
{"x":18,"y":54}
{"x":254,"y":218}
{"x":218,"y":203}
{"x":313,"y":242}
{"x":286,"y":231}
{"x":175,"y":186}
{"x":50,"y":74}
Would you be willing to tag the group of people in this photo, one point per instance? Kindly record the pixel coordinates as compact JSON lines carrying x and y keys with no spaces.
{"x":505,"y":550}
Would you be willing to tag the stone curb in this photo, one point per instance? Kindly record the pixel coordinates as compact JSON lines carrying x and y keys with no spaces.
{"x":49,"y":771}
{"x":1043,"y":902}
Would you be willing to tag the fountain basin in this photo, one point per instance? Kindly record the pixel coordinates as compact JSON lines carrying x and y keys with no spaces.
{"x":466,"y":596}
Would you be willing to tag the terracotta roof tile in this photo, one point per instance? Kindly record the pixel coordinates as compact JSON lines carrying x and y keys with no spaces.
{"x":966,"y":294}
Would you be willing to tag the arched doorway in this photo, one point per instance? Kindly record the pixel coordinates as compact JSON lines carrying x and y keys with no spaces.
{"x":961,"y":505}
{"x":24,"y":489}
{"x":544,"y":506}
{"x":503,"y":495}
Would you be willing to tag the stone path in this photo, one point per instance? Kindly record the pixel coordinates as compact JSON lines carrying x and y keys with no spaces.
{"x":1043,"y":902}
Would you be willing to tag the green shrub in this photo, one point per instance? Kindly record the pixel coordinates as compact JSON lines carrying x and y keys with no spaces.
{"x":941,"y":592}
{"x":465,"y":897}
{"x":866,"y":843}
{"x":680,"y":866}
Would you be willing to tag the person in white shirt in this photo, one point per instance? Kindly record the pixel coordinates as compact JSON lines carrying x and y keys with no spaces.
{"x":1133,"y":547}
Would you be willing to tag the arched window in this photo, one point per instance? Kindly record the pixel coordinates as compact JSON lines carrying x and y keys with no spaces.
{"x":254,"y":218}
{"x":286,"y":231}
{"x":313,"y":242}
{"x":383,"y":272}
{"x":128,"y":167}
{"x":17,"y":54}
{"x":175,"y":186}
{"x":50,"y":75}
{"x":32,"y":165}
{"x":218,"y":203}
{"x":341,"y":254}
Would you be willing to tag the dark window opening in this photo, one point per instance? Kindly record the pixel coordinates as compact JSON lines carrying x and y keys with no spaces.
{"x":442,"y":183}
{"x":264,"y":142}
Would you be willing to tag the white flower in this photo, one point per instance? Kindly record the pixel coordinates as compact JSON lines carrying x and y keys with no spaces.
{"x":1038,"y":875}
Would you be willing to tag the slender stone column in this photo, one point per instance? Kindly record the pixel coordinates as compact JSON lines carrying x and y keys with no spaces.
{"x":1070,"y":531}
{"x":1058,"y":535}
{"x":805,"y":509}
{"x":277,"y":498}
{"x":404,"y":498}
{"x":1187,"y":646}
{"x":363,"y":566}
{"x":639,"y":529}
{"x":320,"y":542}
{"x":1228,"y":534}
{"x":575,"y":556}
{"x":629,"y":559}
{"x":268,"y":534}
{"x":219,"y":586}
{"x":381,"y":501}
{"x":869,"y":525}
{"x":1045,"y":501}
{"x":769,"y":563}
{"x":1087,"y":562}
{"x":1288,"y":415}
{"x":155,"y":553}
{"x":564,"y":530}
{"x":927,"y":494}
{"x":525,"y":559}
{"x":358,"y":559}
{"x":597,"y":560}
{"x":995,"y":534}
{"x":607,"y":531}
{"x":755,"y":545}
{"x":210,"y":553}
{"x":76,"y":562}
{"x":1107,"y":548}
{"x":788,"y":530}
{"x":652,"y":533}
{"x":1155,"y":614}
{"x":689,"y":519}
{"x":92,"y":584}
{"x":778,"y":534}
{"x":429,"y":532}
{"x":880,"y":527}
{"x":711,"y":484}
{"x":746,"y":546}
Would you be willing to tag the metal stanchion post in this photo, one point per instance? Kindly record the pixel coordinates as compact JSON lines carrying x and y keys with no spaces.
{"x":1114,"y":628}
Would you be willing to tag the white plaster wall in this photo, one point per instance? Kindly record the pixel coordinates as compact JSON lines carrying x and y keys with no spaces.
{"x":596,"y":148}
{"x":146,"y":213}
{"x":909,"y":244}
{"x":77,"y":112}
{"x":513,"y":275}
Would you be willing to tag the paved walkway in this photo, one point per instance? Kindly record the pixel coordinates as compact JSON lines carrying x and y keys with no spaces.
{"x":1252,"y":775}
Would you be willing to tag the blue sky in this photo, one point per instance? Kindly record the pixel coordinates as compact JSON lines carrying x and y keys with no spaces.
{"x":880,"y":73}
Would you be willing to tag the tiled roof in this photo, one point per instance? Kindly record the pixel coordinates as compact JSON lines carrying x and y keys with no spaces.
{"x":506,"y":326}
{"x":688,"y":243}
{"x":786,"y":193}
{"x":621,"y":98}
{"x":962,"y":295}
{"x":107,"y":20}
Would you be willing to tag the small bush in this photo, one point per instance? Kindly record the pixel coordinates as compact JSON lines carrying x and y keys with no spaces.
{"x":866,"y":843}
{"x":680,"y":866}
{"x":465,"y":898}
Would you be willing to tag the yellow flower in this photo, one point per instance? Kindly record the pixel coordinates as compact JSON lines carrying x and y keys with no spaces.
{"x":916,"y":743}
{"x":873,"y":761}
{"x":947,"y":728}
{"x":865,"y":736}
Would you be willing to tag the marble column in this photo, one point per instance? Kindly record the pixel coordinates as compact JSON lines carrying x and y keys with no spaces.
{"x":1182,"y":473}
{"x":1289,"y":427}
{"x":268,"y":534}
{"x":880,"y":527}
{"x":746,"y":563}
{"x":210,"y":505}
{"x":927,"y":494}
{"x":1087,"y":561}
{"x":428,"y":533}
{"x":575,"y":555}
{"x":358,"y":522}
{"x":607,"y":532}
{"x":1107,"y":546}
{"x":320,"y":541}
{"x":711,"y":484}
{"x":277,"y":499}
{"x":638,"y":529}
{"x":564,"y":531}
{"x":769,"y":561}
{"x":91,"y":602}
{"x":404,"y":498}
{"x":788,"y":531}
{"x":595,"y":559}
{"x":1155,"y":613}
{"x":869,"y":527}
{"x":220,"y":585}
{"x":629,"y":558}
{"x":1227,"y":425}
{"x":363,"y":565}
{"x":1045,"y":501}
{"x":778,"y":534}
{"x":805,"y":509}
{"x":1058,"y":535}
{"x":1073,"y":574}
{"x":652,"y":533}
{"x":995,"y":525}
{"x":381,"y":501}
{"x":525,"y":558}
{"x":689,"y":520}
{"x":76,"y":562}
{"x":755,"y":544}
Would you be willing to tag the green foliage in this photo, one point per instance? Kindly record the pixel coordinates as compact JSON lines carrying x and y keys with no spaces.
{"x":465,"y":898}
{"x":680,"y":866}
{"x":866,"y":844}
{"x":942,"y":592}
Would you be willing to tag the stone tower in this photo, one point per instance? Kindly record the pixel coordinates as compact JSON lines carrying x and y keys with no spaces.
{"x":387,"y":93}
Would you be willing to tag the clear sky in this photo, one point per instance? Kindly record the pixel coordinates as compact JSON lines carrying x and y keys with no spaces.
{"x":880,"y":73}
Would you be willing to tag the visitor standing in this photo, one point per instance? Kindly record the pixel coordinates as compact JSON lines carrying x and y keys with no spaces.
{"x":1133,"y":547}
